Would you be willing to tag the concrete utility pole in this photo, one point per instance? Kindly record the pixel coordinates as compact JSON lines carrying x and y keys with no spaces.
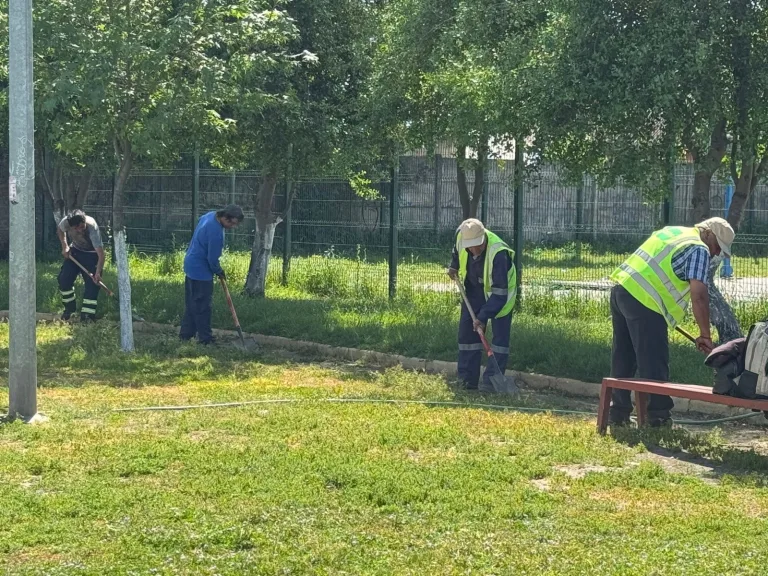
{"x":21,"y":192}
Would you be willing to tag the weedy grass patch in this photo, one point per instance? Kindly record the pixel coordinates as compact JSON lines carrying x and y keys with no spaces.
{"x":315,"y":487}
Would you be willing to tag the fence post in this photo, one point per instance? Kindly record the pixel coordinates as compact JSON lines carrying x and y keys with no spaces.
{"x":287,"y":230}
{"x":579,"y":216}
{"x":484,"y":201}
{"x":518,"y":208}
{"x":232,"y":189}
{"x":195,"y":189}
{"x":438,"y":190}
{"x":43,"y":243}
{"x":113,"y":256}
{"x":594,"y":210}
{"x":394,"y":201}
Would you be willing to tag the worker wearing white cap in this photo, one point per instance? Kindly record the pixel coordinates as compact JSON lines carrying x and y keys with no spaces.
{"x":652,"y":291}
{"x":484,"y":263}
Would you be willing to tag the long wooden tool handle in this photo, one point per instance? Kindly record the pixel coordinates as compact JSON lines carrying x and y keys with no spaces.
{"x":474,"y":318}
{"x":686,"y":334}
{"x":230,"y":303}
{"x":100,"y":284}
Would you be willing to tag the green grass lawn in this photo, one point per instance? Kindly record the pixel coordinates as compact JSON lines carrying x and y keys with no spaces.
{"x":322,"y":488}
{"x":569,"y":337}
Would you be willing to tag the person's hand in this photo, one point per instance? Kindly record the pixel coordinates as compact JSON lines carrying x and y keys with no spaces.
{"x":65,"y":252}
{"x":453,"y":274}
{"x":97,"y":277}
{"x":477,"y":325}
{"x":221,"y":275}
{"x":705,"y":344}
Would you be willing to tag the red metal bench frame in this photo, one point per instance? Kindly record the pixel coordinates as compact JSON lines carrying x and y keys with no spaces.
{"x":644,"y":387}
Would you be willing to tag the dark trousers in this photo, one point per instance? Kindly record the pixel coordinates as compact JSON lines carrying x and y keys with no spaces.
{"x":198,"y":299}
{"x":640,"y":349}
{"x":67,"y":276}
{"x":471,"y":348}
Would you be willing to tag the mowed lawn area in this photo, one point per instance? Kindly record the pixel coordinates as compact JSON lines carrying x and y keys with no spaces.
{"x":317,"y":487}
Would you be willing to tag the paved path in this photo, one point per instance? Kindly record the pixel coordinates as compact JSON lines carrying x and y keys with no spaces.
{"x":734,"y":289}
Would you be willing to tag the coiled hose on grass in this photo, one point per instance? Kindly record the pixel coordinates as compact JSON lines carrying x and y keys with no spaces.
{"x":436,"y":403}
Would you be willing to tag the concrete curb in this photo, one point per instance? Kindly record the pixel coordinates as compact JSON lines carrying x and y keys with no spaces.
{"x":531,"y":381}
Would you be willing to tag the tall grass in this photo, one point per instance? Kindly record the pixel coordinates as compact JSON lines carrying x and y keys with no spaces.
{"x":344,"y":303}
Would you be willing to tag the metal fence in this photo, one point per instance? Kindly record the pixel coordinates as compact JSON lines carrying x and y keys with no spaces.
{"x":338,"y":244}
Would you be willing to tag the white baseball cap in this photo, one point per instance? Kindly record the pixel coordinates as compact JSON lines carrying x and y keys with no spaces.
{"x":472,"y":233}
{"x":722,"y":231}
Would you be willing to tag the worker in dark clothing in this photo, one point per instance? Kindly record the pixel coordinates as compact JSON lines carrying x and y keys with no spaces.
{"x":484,"y":263}
{"x":201,"y":264}
{"x":653,"y":289}
{"x":88,"y":249}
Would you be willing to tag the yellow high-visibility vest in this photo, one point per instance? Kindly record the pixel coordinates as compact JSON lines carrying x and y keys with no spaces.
{"x":649,"y":277}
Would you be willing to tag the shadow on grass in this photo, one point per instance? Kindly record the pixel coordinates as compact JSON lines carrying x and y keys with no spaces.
{"x":720,"y":460}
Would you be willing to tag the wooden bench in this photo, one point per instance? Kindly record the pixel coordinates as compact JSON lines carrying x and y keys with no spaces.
{"x":644,"y":387}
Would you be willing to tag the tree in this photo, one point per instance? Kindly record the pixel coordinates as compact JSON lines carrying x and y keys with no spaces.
{"x":447,"y":71}
{"x":626,"y":87}
{"x":300,"y":116}
{"x":140,"y":78}
{"x":633,"y":85}
{"x":747,"y":34}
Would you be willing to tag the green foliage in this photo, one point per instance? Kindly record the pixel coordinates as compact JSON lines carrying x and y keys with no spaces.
{"x":142,"y":74}
{"x":450,"y":71}
{"x":306,"y":100}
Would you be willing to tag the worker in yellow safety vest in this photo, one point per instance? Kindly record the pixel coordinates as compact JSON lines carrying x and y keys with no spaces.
{"x":484,"y":263}
{"x":653,"y":289}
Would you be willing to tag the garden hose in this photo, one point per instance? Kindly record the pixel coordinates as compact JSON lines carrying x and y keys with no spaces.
{"x":435,"y":403}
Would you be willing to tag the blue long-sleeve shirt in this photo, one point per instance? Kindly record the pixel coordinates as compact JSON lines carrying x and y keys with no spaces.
{"x":202,"y":259}
{"x":473,"y":283}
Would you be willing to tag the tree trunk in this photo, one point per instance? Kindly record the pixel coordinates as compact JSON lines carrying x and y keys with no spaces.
{"x":702,"y":180}
{"x":255,"y":282}
{"x":124,"y":154}
{"x":706,"y":168}
{"x":467,"y":209}
{"x":477,"y":192}
{"x":721,"y":314}
{"x":751,"y":173}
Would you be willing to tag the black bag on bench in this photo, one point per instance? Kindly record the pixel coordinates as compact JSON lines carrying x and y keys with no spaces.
{"x":741,"y":365}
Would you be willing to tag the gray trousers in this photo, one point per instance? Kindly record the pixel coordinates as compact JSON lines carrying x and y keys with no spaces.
{"x":640,"y":349}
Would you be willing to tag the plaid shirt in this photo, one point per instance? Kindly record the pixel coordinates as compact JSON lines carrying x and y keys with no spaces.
{"x":692,"y":263}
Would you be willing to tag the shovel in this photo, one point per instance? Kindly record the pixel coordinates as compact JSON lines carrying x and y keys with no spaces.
{"x":501,"y":384}
{"x":100,"y":283}
{"x":234,"y":314}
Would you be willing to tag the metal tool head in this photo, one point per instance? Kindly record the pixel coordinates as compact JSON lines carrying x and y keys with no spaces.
{"x":505,"y":385}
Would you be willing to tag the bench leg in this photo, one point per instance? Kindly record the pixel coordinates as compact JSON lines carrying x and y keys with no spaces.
{"x":641,"y":402}
{"x":604,"y":409}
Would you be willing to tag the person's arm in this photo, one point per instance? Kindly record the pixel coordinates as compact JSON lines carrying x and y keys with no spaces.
{"x":453,"y":270}
{"x":694,"y":268}
{"x":99,"y":264}
{"x":499,"y":288}
{"x":215,"y":248}
{"x":700,"y":305}
{"x":63,"y":240}
{"x":95,"y":235}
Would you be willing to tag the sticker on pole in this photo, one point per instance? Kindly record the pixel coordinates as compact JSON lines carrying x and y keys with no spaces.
{"x":12,"y":190}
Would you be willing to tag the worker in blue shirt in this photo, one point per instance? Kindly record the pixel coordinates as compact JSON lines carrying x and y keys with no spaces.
{"x":484,"y":263}
{"x":201,"y":264}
